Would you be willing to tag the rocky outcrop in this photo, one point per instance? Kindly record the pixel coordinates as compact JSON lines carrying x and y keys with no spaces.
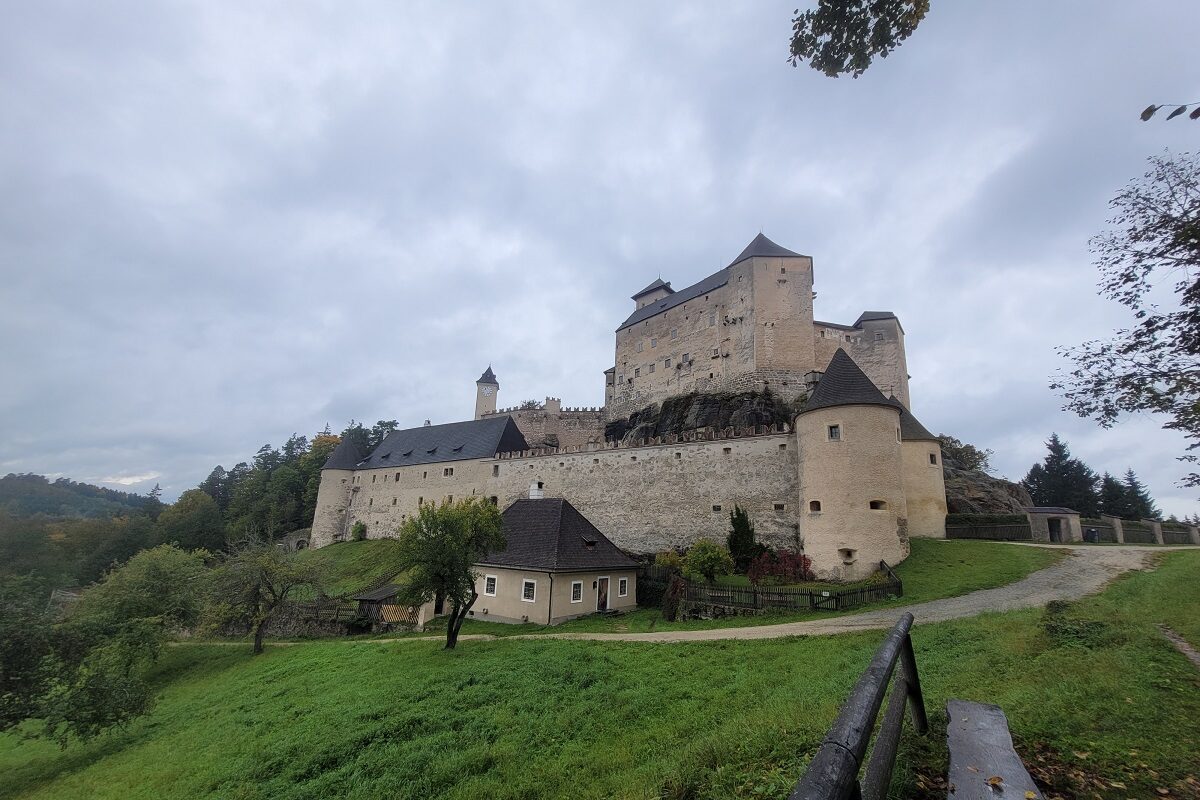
{"x":691,"y":411}
{"x":970,"y":491}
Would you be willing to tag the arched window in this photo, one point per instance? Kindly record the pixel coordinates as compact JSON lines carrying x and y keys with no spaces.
{"x":814,"y":506}
{"x":879,"y":505}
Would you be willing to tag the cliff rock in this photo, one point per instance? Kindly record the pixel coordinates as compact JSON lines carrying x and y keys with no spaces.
{"x":970,"y":491}
{"x":691,"y":411}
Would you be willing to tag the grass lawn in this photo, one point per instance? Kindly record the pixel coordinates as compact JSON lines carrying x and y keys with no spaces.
{"x":1104,"y":703}
{"x":351,"y":566}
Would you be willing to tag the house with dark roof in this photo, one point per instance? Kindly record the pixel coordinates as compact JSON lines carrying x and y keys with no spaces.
{"x":555,"y":566}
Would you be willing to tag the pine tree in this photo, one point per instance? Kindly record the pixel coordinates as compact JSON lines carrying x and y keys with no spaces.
{"x":741,"y":542}
{"x":1114,"y":498}
{"x":1141,"y":505}
{"x":1061,"y":480}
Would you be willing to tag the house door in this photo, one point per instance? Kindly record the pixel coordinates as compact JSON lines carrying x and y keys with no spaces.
{"x":602,"y":594}
{"x":1055,"y":530}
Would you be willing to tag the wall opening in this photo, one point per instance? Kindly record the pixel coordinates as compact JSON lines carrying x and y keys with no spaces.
{"x":814,"y":506}
{"x":848,"y":555}
{"x":879,"y":505}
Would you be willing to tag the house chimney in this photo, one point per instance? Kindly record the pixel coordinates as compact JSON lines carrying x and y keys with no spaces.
{"x":535,"y":491}
{"x":426,"y":423}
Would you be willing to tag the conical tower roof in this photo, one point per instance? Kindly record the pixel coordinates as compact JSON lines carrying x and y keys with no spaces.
{"x":844,"y":384}
{"x":488,"y":376}
{"x":762,"y":246}
{"x":345,"y":456}
{"x":658,"y":284}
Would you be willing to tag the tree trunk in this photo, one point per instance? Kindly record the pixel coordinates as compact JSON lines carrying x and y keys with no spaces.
{"x":258,"y":636}
{"x":458,"y":614}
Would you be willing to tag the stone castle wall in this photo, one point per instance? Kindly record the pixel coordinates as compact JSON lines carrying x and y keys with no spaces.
{"x":924,"y":489}
{"x":551,"y":425}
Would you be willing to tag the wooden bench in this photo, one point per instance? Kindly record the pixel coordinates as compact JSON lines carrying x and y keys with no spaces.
{"x":981,"y":750}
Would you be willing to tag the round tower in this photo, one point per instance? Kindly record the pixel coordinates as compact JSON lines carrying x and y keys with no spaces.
{"x":924,"y":481}
{"x":486,"y":389}
{"x":853,"y":512}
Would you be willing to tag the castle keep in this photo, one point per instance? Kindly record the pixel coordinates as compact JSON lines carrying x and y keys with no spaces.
{"x":851,"y":477}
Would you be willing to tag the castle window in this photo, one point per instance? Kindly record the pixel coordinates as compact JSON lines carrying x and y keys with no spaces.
{"x":640,"y":346}
{"x":653,"y":342}
{"x":393,"y":501}
{"x":879,"y":336}
{"x":674,"y":333}
{"x":561,"y":464}
{"x":686,"y":357}
{"x":898,"y":435}
{"x":447,"y":472}
{"x":849,"y":555}
{"x":780,"y":506}
{"x":449,"y":498}
{"x":716,"y":508}
{"x":397,"y":477}
{"x":847,"y":337}
{"x":783,"y":270}
{"x":420,"y":501}
{"x":712,"y":318}
{"x":679,"y":455}
{"x":652,"y":365}
{"x":637,"y":372}
{"x":814,"y":506}
{"x":373,"y":477}
{"x":595,"y":461}
{"x":424,"y":474}
{"x":783,"y":447}
{"x":727,"y":450}
{"x":666,"y":363}
{"x":878,"y":505}
{"x":933,"y":459}
{"x":835,"y":433}
{"x":495,"y":470}
{"x":716,"y":352}
{"x":633,"y":458}
{"x":371,"y":502}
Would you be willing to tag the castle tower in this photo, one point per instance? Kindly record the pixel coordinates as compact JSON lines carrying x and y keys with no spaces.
{"x":853,"y":511}
{"x":486,"y":389}
{"x":780,"y":303}
{"x":924,"y":481}
{"x":335,"y":493}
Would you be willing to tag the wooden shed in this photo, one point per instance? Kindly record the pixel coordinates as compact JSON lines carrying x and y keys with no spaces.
{"x":381,"y":608}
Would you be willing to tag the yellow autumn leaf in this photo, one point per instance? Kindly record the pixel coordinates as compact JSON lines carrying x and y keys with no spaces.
{"x":1030,"y":795}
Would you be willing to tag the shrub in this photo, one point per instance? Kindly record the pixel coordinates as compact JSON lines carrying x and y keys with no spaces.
{"x":783,"y":566}
{"x":669,"y":559}
{"x":741,"y":542}
{"x":986,"y":519}
{"x":706,"y":560}
{"x":358,"y":531}
{"x":672,"y":598}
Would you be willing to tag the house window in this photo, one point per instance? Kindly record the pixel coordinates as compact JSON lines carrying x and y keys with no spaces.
{"x":878,"y":505}
{"x":528,"y":591}
{"x":835,"y":433}
{"x":814,"y":506}
{"x":447,"y":472}
{"x":576,"y":591}
{"x":489,"y":585}
{"x":622,"y":587}
{"x":716,"y":508}
{"x":495,"y":470}
{"x":933,"y":459}
{"x":780,"y":506}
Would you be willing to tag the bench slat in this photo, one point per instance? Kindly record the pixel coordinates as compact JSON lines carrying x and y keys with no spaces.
{"x":981,"y":748}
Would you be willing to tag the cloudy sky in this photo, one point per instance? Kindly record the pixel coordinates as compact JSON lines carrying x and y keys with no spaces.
{"x":225,"y":223}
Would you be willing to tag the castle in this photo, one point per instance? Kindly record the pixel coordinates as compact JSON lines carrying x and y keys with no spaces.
{"x":850,"y":478}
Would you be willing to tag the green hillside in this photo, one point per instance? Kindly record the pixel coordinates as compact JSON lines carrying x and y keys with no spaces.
{"x":1100,"y":705}
{"x":351,"y":566}
{"x":30,"y":495}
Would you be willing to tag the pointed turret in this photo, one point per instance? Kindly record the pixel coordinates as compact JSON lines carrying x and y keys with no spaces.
{"x":486,"y":389}
{"x":763,"y":247}
{"x":845,"y":384}
{"x":345,"y":456}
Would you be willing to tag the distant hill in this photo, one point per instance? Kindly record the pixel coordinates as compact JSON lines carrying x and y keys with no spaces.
{"x":30,"y":495}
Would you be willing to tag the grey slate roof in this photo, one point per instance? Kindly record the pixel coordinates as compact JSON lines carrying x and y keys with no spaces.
{"x":377,"y":594}
{"x":344,"y":456}
{"x":764,"y":247}
{"x":658,"y":284}
{"x":488,"y":376}
{"x":1050,"y":510}
{"x":552,"y":535}
{"x":760,"y":246}
{"x":454,"y":441}
{"x":844,"y":384}
{"x":872,"y":316}
{"x":911,"y":429}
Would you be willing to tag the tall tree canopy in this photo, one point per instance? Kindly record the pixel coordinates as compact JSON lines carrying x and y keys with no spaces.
{"x":841,"y":37}
{"x":1149,"y":262}
{"x":1061,"y":480}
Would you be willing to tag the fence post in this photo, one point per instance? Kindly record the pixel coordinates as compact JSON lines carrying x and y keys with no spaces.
{"x":1118,"y":531}
{"x":1155,"y":526}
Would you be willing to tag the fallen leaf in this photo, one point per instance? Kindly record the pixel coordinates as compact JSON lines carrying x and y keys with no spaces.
{"x":973,"y":769}
{"x":995,"y":780}
{"x":1030,"y":795}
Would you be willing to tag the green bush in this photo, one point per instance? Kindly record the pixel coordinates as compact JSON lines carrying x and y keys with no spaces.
{"x":706,"y":560}
{"x":358,"y":531}
{"x":669,"y":559}
{"x":985,"y":519}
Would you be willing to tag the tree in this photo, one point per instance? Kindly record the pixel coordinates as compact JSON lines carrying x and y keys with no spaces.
{"x":705,"y":560}
{"x":529,"y":405}
{"x":251,"y":585}
{"x":1114,"y":499}
{"x":438,"y":549}
{"x":843,"y":36}
{"x":193,"y":522}
{"x":1154,"y":366}
{"x":379,"y":432}
{"x":1061,"y":480}
{"x":24,"y":641}
{"x":1141,"y":505}
{"x":742,"y":546}
{"x":216,"y":486}
{"x":165,"y":584}
{"x":965,"y":456}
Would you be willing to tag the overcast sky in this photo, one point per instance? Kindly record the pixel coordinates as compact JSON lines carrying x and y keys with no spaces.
{"x":225,"y":223}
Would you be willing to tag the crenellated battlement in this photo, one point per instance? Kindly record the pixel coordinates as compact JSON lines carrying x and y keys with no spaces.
{"x":697,"y":435}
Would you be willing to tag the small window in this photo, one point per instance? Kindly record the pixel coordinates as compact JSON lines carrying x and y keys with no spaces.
{"x":879,"y":336}
{"x":814,"y":506}
{"x":633,"y":458}
{"x":666,"y":363}
{"x":879,"y":505}
{"x":539,"y":483}
{"x":562,"y":463}
{"x":424,"y":475}
{"x":637,"y":372}
{"x":595,"y":461}
{"x":393,"y":501}
{"x":686,"y":357}
{"x":727,"y":450}
{"x":449,"y":498}
{"x":933,"y":459}
{"x":716,"y":352}
{"x":835,"y":433}
{"x":653,"y":342}
{"x":780,"y":506}
{"x":622,"y":587}
{"x":898,"y":435}
{"x":652,"y":366}
{"x":495,"y":470}
{"x":847,"y":337}
{"x":420,"y":501}
{"x":783,"y":446}
{"x":397,"y":477}
{"x":489,"y":585}
{"x":679,"y":455}
{"x":371,"y":502}
{"x":528,"y":591}
{"x":783,"y":270}
{"x":712,"y":318}
{"x":640,"y":347}
{"x":576,"y":591}
{"x":716,"y":508}
{"x":674,"y":333}
{"x":373,"y":477}
{"x":447,"y":472}
{"x":848,"y":555}
{"x":494,"y":500}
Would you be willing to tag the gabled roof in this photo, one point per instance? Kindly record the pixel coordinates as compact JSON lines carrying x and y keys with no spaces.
{"x":658,"y":284}
{"x":488,"y":376}
{"x":761,"y":246}
{"x":344,"y":456}
{"x":844,"y":384}
{"x":379,"y":593}
{"x":454,"y":441}
{"x":911,"y":429}
{"x":551,"y":535}
{"x":874,"y":316}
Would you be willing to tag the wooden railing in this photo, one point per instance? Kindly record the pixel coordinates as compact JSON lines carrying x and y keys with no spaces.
{"x":833,"y":774}
{"x":795,"y":599}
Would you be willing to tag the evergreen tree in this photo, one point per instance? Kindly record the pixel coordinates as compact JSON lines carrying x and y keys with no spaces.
{"x":1061,"y":480}
{"x":1141,"y":505}
{"x":216,"y":486}
{"x":1114,"y":499}
{"x":741,"y":542}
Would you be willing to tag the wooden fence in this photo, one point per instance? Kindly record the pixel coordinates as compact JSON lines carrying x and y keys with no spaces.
{"x":1020,"y":532}
{"x":324,"y":610}
{"x":760,"y":597}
